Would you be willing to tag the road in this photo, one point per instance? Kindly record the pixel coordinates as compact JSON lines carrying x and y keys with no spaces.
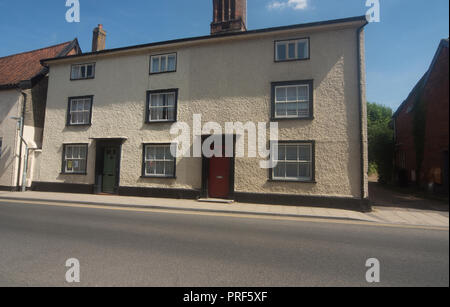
{"x":121,"y":247}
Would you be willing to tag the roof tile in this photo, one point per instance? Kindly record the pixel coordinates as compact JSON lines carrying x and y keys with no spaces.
{"x":24,"y":66}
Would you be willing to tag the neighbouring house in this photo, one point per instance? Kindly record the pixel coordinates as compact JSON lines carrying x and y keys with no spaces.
{"x":421,"y":128}
{"x":23,"y":94}
{"x":109,"y":114}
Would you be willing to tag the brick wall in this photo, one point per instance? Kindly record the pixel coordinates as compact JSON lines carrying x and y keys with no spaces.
{"x":435,"y":94}
{"x":437,"y":132}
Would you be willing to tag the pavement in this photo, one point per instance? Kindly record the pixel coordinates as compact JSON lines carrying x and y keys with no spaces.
{"x":123,"y":246}
{"x":389,"y":215}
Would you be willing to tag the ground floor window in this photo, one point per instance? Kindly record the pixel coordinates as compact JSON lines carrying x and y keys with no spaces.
{"x":158,"y":161}
{"x":295,"y":161}
{"x":75,"y":158}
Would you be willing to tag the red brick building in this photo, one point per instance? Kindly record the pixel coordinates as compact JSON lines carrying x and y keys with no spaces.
{"x":425,"y":112}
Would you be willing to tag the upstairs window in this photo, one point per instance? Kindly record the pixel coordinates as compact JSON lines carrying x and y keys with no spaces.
{"x":80,"y":111}
{"x":163,"y":63}
{"x":162,"y":105}
{"x":82,"y":71}
{"x":292,"y":100}
{"x":158,"y":161}
{"x":292,"y":50}
{"x":75,"y":158}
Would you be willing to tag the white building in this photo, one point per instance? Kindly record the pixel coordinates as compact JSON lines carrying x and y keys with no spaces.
{"x":23,"y":93}
{"x":109,"y":113}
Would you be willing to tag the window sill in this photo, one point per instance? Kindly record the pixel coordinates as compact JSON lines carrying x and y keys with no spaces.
{"x":71,"y":174}
{"x":292,"y":180}
{"x":159,"y":177}
{"x":161,"y":122}
{"x":292,"y":60}
{"x":79,"y":125}
{"x":90,"y":78}
{"x":163,"y":72}
{"x":275,"y":119}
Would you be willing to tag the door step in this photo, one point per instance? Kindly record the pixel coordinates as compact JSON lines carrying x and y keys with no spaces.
{"x":216,"y":200}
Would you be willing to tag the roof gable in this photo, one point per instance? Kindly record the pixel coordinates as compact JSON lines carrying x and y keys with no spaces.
{"x":424,"y":80}
{"x":26,"y":66}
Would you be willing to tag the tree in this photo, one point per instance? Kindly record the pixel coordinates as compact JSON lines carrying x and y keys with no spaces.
{"x":381,"y":140}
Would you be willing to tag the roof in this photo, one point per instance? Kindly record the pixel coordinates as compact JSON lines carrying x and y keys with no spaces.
{"x":424,"y":80}
{"x":25,"y":66}
{"x":360,"y":20}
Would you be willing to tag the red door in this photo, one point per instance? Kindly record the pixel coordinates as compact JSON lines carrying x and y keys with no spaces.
{"x":219,"y":177}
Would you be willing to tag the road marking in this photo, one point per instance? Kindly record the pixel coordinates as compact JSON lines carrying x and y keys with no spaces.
{"x":234,"y":215}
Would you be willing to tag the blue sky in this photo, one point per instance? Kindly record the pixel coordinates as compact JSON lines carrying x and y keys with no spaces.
{"x":399,"y":49}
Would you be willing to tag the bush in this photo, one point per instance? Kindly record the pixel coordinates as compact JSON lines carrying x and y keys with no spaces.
{"x":381,"y":140}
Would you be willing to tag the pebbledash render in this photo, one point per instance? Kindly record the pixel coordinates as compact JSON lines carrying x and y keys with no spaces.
{"x":109,"y":115}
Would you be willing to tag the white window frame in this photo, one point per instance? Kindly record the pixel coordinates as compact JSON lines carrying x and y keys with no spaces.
{"x":155,"y":107}
{"x":296,"y":57}
{"x":80,"y":112}
{"x":167,"y":159}
{"x":298,"y":162}
{"x":76,"y":71}
{"x":75,"y":159}
{"x":162,"y":68}
{"x":298,"y":101}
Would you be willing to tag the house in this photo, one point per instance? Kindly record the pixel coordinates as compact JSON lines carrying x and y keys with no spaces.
{"x":110,"y":113}
{"x":23,"y":94}
{"x":421,"y":128}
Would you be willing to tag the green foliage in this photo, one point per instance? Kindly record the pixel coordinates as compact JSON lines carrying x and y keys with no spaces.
{"x":381,"y":140}
{"x":373,"y":168}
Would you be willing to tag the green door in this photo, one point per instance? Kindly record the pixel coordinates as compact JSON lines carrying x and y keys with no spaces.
{"x":109,"y":169}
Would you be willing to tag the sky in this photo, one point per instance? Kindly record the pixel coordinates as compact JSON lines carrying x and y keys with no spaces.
{"x":399,"y":48}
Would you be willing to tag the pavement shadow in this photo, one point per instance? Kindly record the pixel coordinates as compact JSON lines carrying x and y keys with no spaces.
{"x":387,"y":196}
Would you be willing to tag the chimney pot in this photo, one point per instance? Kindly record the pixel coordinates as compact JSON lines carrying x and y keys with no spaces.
{"x":98,"y":39}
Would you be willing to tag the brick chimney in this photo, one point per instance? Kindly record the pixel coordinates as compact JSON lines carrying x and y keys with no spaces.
{"x":98,"y":39}
{"x":229,"y":16}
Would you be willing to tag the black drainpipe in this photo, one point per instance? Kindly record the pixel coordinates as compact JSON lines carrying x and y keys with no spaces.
{"x":23,"y":128}
{"x":365,"y":204}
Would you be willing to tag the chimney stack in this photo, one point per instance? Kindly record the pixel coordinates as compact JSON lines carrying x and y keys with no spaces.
{"x":229,"y":16}
{"x":98,"y":39}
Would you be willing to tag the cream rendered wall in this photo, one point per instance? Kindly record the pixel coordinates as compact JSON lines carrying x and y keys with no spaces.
{"x":10,"y":102}
{"x":228,"y":81}
{"x":364,"y":115}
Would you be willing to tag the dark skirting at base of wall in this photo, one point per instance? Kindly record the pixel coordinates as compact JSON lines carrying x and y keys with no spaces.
{"x":356,"y":204}
{"x":258,"y":198}
{"x":63,"y":187}
{"x":9,"y":189}
{"x":159,"y":193}
{"x":124,"y":191}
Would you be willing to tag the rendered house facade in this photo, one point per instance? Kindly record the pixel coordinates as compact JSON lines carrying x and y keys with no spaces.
{"x":109,"y":114}
{"x":23,"y":93}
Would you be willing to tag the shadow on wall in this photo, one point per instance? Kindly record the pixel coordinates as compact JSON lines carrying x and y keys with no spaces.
{"x":5,"y":109}
{"x":5,"y":160}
